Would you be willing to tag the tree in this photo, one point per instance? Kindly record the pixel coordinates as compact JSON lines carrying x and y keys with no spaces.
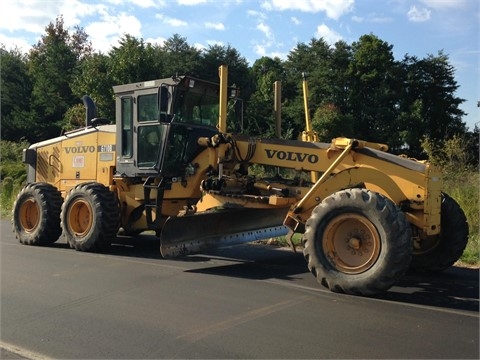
{"x":428,"y":103}
{"x":96,"y":81}
{"x":259,"y":114}
{"x":315,"y":61}
{"x":373,"y":91}
{"x":52,"y":67}
{"x":216,"y":55}
{"x":132,"y":61}
{"x":178,"y":57}
{"x":328,"y":122}
{"x":16,"y":91}
{"x":340,"y":62}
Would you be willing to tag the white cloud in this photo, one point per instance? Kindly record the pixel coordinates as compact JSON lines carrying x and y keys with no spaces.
{"x":106,"y":33}
{"x":156,"y":41}
{"x":260,"y":50}
{"x":357,"y":19}
{"x":379,"y":18}
{"x":145,"y":3}
{"x":372,"y":18}
{"x":333,"y":8}
{"x":191,"y":2}
{"x":216,"y":26}
{"x":257,"y":14}
{"x":295,"y":20}
{"x":330,"y":36}
{"x":15,"y":42}
{"x":265,"y":29}
{"x":281,"y":55}
{"x":214,"y":42}
{"x":445,"y":4}
{"x":171,"y":21}
{"x":199,"y":47}
{"x":175,"y":22}
{"x":73,"y":11}
{"x":418,"y":15}
{"x":27,"y":15}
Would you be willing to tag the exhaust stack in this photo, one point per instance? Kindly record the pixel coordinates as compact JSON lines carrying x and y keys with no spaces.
{"x":90,"y":110}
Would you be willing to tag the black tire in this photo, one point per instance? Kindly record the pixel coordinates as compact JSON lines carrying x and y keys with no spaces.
{"x":437,"y":253}
{"x":36,"y":214}
{"x":90,"y":217}
{"x":357,"y":242}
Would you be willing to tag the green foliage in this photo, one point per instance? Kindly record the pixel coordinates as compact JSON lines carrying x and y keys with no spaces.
{"x":178,"y":57}
{"x":427,"y":102}
{"x":52,"y":63}
{"x":461,"y":181}
{"x":375,"y":97}
{"x":12,"y":173}
{"x":452,"y":155}
{"x":97,"y":83}
{"x":132,"y":61}
{"x":373,"y":90}
{"x":15,"y":90}
{"x":329,"y":123}
{"x":464,"y":188}
{"x":74,"y":118}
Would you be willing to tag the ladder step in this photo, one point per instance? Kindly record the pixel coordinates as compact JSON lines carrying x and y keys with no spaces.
{"x":156,"y":203}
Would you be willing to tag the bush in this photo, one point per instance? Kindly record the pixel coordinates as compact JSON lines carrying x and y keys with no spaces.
{"x":461,"y":181}
{"x":13,"y":174}
{"x":464,"y":188}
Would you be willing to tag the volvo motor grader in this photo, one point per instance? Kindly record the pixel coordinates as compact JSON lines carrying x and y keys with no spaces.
{"x":175,"y":162}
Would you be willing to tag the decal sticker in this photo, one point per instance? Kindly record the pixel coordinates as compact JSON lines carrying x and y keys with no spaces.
{"x":106,"y":148}
{"x":78,"y":161}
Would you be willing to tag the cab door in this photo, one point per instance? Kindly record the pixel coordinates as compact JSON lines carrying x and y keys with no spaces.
{"x":142,"y":137}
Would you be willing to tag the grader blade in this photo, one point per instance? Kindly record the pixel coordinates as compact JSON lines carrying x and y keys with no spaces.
{"x":190,"y":234}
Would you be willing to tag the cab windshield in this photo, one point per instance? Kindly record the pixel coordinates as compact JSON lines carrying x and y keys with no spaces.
{"x":197,"y":108}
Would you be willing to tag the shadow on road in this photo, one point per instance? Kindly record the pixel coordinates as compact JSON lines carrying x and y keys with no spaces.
{"x":455,"y":288}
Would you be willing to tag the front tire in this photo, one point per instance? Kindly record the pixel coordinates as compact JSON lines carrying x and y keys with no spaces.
{"x":36,"y":214}
{"x":90,"y":217}
{"x":357,"y":242}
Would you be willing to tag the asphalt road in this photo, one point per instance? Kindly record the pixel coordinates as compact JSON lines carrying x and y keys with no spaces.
{"x":244,"y":302}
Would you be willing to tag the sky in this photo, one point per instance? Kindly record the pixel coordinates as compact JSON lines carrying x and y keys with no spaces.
{"x":268,"y":27}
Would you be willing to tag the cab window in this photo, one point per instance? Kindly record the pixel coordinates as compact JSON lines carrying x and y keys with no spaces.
{"x":149,"y":144}
{"x":127,"y":126}
{"x":147,"y":107}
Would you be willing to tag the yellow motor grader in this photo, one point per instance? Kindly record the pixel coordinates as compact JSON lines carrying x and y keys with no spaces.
{"x":175,"y":162}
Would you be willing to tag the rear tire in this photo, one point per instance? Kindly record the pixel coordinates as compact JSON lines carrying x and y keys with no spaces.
{"x":90,"y":217}
{"x":357,"y":242}
{"x":442,"y":251}
{"x":36,"y":214}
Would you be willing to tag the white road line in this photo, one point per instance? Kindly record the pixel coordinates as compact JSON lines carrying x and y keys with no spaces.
{"x":22,"y":352}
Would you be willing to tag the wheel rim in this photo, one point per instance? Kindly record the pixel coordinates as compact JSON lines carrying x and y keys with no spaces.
{"x":80,"y":218}
{"x":29,"y":215}
{"x":351,"y":243}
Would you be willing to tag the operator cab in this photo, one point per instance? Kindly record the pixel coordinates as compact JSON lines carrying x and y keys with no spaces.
{"x":159,"y":122}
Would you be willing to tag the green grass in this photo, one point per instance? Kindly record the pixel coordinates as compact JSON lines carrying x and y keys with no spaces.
{"x":464,"y":188}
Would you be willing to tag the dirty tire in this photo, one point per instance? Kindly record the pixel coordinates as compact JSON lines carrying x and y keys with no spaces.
{"x":36,"y":214}
{"x":357,"y":242}
{"x":441,"y":251}
{"x":90,"y":217}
